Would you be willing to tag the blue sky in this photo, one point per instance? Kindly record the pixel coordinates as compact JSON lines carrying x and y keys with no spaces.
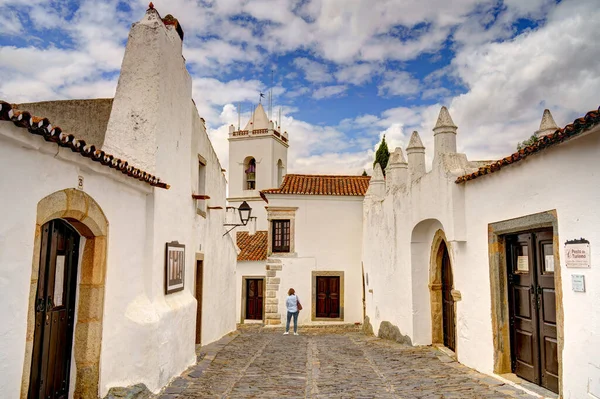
{"x":346,"y":72}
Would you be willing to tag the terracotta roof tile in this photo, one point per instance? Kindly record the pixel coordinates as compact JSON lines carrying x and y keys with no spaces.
{"x":322,"y":185}
{"x":578,"y":126}
{"x":43,"y":127}
{"x":254,"y":247}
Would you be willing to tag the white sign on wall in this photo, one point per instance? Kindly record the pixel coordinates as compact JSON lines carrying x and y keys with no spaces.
{"x":578,"y":282}
{"x":577,"y":253}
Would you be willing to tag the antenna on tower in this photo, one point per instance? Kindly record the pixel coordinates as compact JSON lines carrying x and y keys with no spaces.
{"x":239,"y":109}
{"x":271,"y":95}
{"x":280,"y":119}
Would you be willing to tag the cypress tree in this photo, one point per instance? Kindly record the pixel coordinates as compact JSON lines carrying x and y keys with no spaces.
{"x":382,"y":155}
{"x":365,"y":173}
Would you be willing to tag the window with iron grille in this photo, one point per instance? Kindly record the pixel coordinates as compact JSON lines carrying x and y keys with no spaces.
{"x":281,"y":236}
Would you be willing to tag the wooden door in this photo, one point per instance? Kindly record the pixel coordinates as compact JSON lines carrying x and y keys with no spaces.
{"x":54,"y":312}
{"x":199,"y":280}
{"x":254,"y":299}
{"x":328,"y":297}
{"x":532,"y":302}
{"x":448,"y":317}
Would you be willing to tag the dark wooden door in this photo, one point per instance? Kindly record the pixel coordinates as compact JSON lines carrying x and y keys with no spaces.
{"x":328,"y":297}
{"x":199,"y":281}
{"x":254,"y":299}
{"x":448,"y":317}
{"x":532,"y":302}
{"x":54,"y":312}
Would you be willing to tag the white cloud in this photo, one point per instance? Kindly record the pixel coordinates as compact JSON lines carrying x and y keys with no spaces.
{"x":357,"y":74}
{"x":398,"y":83}
{"x":329,"y":91}
{"x":313,"y":71}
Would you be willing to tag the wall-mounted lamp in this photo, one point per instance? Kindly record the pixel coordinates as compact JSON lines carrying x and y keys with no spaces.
{"x":244,"y":211}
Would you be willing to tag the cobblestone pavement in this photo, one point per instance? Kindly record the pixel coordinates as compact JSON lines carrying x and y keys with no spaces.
{"x":321,"y":363}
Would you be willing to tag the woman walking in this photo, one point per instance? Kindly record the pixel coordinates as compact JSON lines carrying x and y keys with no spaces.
{"x":293,"y":308}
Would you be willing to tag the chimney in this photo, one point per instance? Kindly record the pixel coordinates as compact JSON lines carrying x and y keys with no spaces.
{"x":152,"y":104}
{"x":377,"y":183}
{"x":547,"y":125}
{"x":416,"y":156}
{"x":444,"y":134}
{"x":396,"y":173}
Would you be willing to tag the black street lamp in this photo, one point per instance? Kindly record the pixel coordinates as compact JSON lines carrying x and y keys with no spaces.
{"x":244,"y":211}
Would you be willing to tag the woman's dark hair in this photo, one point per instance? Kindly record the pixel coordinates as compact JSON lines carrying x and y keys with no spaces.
{"x":291,"y":291}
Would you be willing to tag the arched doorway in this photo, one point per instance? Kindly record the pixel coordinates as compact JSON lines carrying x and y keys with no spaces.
{"x":441,"y":286}
{"x":448,"y":316}
{"x":77,"y":217}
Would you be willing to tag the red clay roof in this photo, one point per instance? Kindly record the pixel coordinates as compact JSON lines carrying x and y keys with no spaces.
{"x":253,"y":247}
{"x":322,"y":185}
{"x":43,"y":127}
{"x":578,"y":126}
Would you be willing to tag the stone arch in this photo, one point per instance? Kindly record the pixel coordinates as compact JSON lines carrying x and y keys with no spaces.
{"x":422,"y":236}
{"x":86,"y":216}
{"x":249,"y":173}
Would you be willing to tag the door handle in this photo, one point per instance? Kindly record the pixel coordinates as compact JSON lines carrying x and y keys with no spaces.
{"x":49,"y":304}
{"x":40,"y":305}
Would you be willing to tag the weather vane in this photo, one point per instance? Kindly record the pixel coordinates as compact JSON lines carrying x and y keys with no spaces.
{"x":261,"y":97}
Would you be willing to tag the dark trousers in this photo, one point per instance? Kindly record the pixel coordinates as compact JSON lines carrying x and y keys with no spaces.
{"x":289,"y":317}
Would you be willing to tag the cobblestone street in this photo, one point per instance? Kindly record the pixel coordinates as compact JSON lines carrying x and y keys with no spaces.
{"x":322,"y":363}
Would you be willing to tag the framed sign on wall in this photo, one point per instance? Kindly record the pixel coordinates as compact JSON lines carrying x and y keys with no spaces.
{"x":577,"y":253}
{"x":174,"y":267}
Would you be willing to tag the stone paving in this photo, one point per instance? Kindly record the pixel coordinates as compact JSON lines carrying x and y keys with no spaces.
{"x":327,"y":363}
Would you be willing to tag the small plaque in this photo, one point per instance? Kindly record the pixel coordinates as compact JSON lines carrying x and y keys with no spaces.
{"x":578,"y":282}
{"x":80,"y":182}
{"x":549,"y":263}
{"x":577,"y":254}
{"x":523,"y":263}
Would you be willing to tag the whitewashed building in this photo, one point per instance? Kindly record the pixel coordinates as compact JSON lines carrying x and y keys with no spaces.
{"x":91,"y":297}
{"x":493,"y":261}
{"x":307,"y":233}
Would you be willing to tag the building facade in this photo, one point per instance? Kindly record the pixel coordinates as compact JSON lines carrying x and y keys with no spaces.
{"x":480,"y":259}
{"x":110,"y":275}
{"x":306,"y":235}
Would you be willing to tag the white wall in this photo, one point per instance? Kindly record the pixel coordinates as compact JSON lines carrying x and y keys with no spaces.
{"x":564,"y":179}
{"x":398,"y":234}
{"x":328,"y":235}
{"x":147,"y":337}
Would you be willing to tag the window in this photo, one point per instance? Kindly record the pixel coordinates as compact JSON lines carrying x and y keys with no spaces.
{"x":250,"y":174}
{"x":279,"y":173}
{"x":201,"y":203}
{"x":281,"y":236}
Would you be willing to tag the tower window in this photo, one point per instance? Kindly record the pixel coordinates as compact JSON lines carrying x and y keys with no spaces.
{"x":280,"y":173}
{"x":250,"y":173}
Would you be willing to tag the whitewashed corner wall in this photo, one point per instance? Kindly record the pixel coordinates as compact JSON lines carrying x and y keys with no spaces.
{"x":397,"y":240}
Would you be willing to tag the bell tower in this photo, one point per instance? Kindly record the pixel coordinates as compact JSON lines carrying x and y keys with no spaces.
{"x":257,"y":161}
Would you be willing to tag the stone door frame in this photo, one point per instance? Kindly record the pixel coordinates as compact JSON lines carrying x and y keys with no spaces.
{"x":85,"y":215}
{"x":313,"y":299}
{"x":499,"y":285}
{"x":435,"y":289}
{"x":244,"y":293}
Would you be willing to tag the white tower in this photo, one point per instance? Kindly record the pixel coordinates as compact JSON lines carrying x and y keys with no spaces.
{"x":257,"y":161}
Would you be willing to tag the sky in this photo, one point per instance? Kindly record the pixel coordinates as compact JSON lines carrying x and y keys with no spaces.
{"x":343,"y":72}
